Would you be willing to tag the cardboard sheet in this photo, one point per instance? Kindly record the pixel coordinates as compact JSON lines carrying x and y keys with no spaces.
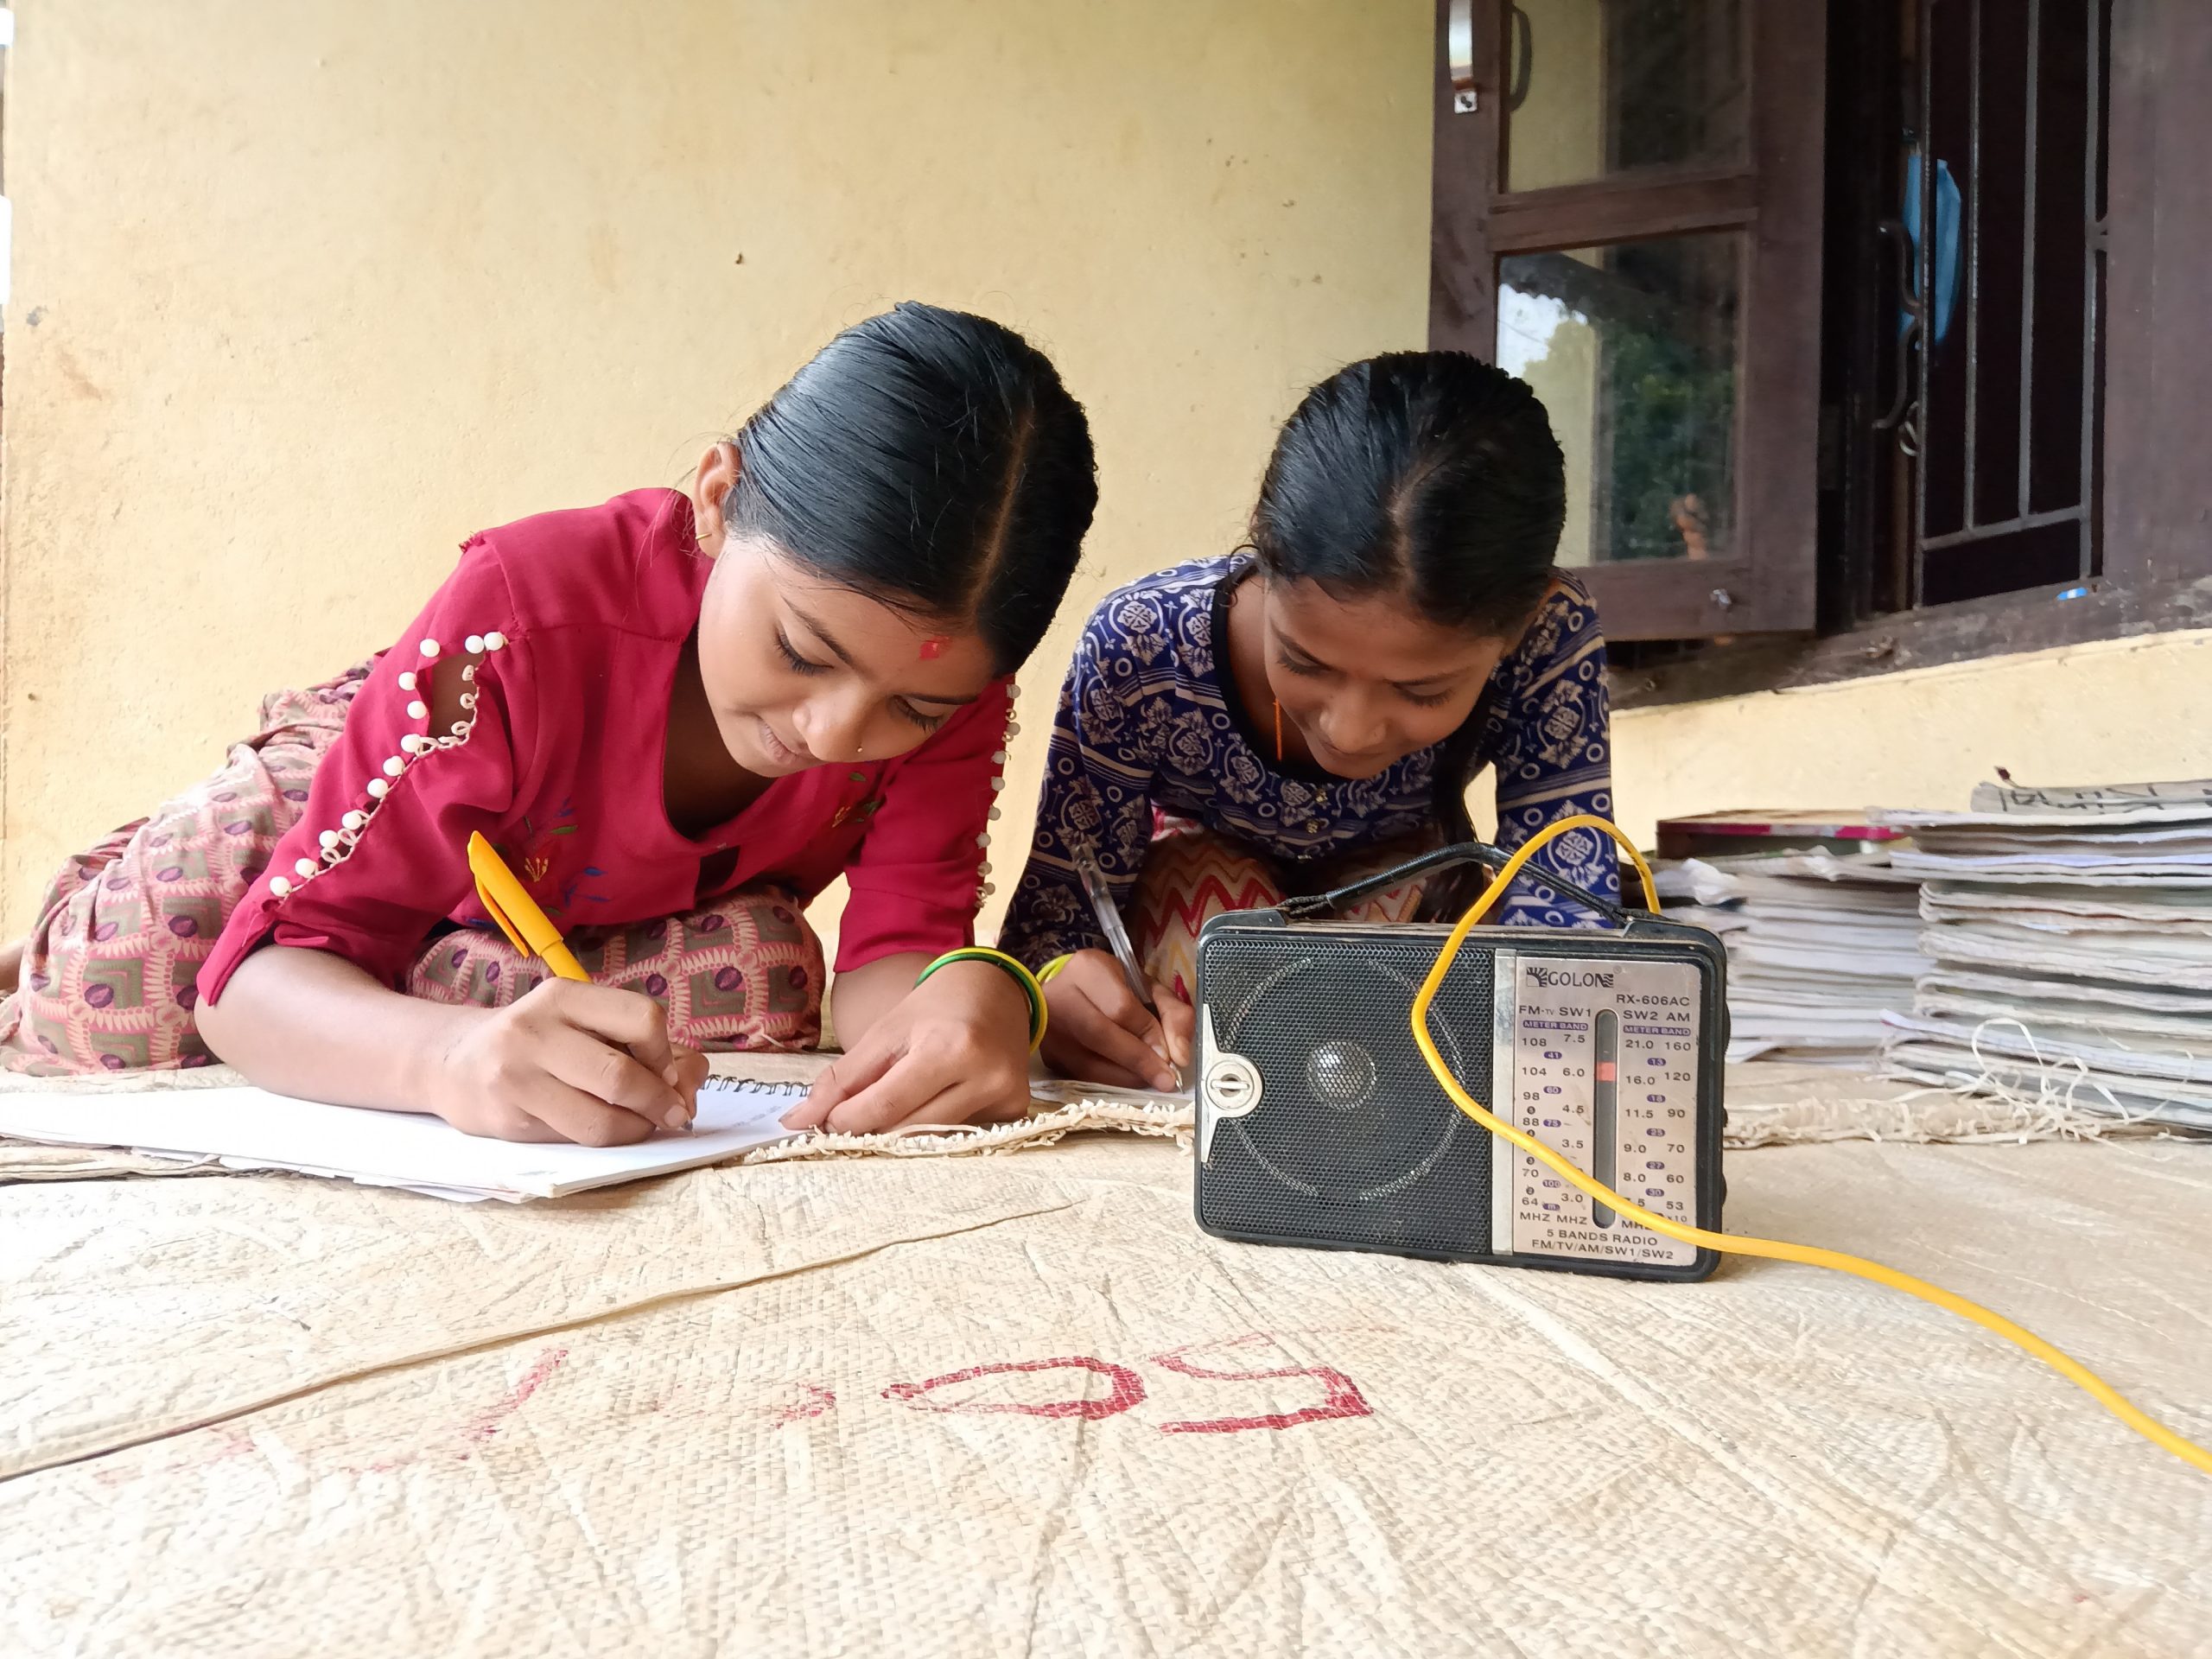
{"x":989,"y":1406}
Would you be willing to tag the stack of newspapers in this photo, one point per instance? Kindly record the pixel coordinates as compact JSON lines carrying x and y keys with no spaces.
{"x":1821,"y":946}
{"x":2069,"y":933}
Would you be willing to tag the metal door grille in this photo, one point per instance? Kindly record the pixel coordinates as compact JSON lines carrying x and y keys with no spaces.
{"x":1996,"y":411}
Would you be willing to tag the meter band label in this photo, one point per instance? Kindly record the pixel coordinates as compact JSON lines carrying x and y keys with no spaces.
{"x":1601,"y":1065}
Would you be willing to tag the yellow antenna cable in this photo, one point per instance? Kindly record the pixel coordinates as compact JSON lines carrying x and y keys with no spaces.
{"x":1773,"y":1248}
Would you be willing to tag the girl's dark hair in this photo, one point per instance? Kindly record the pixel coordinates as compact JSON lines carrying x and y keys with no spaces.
{"x":931,"y":460}
{"x":1434,"y":475}
{"x":1428,"y":473}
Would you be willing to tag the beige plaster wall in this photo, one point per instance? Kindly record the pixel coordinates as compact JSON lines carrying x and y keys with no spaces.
{"x":305,"y":292}
{"x":2122,"y":712}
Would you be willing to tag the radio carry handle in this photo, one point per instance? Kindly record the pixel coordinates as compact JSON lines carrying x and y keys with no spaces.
{"x":1465,"y":852}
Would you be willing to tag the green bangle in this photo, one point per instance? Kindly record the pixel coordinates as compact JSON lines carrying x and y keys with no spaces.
{"x":1021,"y":975}
{"x":1045,"y":975}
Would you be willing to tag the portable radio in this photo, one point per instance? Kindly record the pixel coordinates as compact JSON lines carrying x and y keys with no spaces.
{"x":1319,"y":1123}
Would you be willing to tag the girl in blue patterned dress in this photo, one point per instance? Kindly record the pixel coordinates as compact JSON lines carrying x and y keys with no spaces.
{"x":1314,"y":707}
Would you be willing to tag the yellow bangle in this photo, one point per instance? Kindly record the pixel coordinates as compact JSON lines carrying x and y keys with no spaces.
{"x":1045,"y":974}
{"x":1030,"y":987}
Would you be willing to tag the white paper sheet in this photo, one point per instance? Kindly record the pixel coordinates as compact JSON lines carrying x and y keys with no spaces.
{"x":1985,"y":979}
{"x":1803,"y":878}
{"x":2012,"y":798}
{"x":2084,"y":868}
{"x":1944,"y":1053}
{"x":2021,"y":1038}
{"x":2105,"y":1024}
{"x":2189,"y":907}
{"x":1819,"y":947}
{"x":2138,"y":959}
{"x":251,"y":1128}
{"x":2008,"y":806}
{"x":2092,"y":841}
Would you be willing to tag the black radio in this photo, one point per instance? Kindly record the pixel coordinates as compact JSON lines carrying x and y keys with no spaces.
{"x":1320,"y":1124}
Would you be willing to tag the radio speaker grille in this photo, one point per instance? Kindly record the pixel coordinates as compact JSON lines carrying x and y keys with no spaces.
{"x":1352,"y":1143}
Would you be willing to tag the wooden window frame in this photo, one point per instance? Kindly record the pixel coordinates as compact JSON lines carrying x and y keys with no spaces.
{"x":2155,"y":505}
{"x":1767,"y":583}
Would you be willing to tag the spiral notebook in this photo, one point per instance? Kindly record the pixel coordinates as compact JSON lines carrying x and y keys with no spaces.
{"x":250,"y":1128}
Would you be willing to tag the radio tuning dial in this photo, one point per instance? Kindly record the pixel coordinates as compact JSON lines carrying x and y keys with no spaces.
{"x":1232,"y":1084}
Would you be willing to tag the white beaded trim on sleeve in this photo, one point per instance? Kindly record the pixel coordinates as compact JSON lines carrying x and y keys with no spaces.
{"x":337,"y":845}
{"x":984,"y":886}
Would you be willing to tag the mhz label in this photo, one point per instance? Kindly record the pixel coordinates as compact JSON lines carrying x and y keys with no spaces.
{"x":1605,"y":1064}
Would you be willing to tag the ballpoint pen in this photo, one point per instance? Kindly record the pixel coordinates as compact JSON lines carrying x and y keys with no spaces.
{"x":1117,"y":937}
{"x":528,"y":929}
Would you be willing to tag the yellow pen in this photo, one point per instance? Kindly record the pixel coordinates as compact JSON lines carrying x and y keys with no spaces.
{"x":527,"y":927}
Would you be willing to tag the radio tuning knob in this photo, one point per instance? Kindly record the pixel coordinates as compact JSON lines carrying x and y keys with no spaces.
{"x":1232,"y":1084}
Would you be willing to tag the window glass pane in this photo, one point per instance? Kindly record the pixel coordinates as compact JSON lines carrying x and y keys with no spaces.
{"x":1596,"y":87}
{"x":1633,"y":350}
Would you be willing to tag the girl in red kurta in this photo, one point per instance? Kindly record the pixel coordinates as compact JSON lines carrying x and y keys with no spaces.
{"x":678,"y":718}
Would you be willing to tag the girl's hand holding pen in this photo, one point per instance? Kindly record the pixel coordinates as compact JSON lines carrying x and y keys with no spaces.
{"x":1101,"y":1032}
{"x":570,"y":1062}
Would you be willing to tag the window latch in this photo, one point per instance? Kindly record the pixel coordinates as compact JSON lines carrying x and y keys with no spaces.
{"x":1460,"y":56}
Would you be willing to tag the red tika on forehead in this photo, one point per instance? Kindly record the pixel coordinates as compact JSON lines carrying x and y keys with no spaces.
{"x":934,"y":646}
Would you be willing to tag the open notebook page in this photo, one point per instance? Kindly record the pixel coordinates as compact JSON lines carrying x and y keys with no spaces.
{"x":251,"y":1128}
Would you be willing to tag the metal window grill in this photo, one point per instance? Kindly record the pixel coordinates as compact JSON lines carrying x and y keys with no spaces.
{"x":2000,"y":352}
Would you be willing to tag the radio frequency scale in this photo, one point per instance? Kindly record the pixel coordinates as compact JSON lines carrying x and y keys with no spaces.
{"x":1602,"y":1065}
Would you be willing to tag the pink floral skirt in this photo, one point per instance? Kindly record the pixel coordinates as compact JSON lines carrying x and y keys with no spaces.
{"x":108,"y":973}
{"x":1191,"y":874}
